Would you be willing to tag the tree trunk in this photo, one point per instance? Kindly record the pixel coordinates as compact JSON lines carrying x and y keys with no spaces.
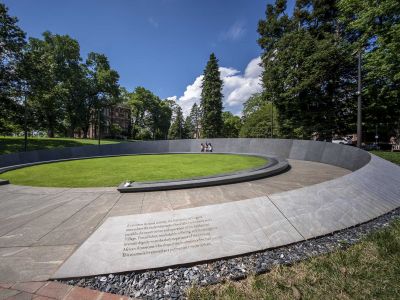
{"x":71,"y":132}
{"x":50,"y":133}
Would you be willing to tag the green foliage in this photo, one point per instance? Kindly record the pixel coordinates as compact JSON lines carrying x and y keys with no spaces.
{"x":211,"y":100}
{"x":12,"y":41}
{"x":188,"y":128}
{"x":375,"y":27}
{"x":54,"y":75}
{"x":115,"y":130}
{"x":257,"y":116}
{"x":309,"y":73}
{"x":177,"y":130}
{"x":193,"y":122}
{"x":231,"y":125}
{"x":151,"y":116}
{"x":310,"y":65}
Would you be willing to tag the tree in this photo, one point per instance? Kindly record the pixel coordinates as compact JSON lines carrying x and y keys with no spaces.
{"x":47,"y":66}
{"x":309,"y":74}
{"x":211,"y":100}
{"x":103,"y":86}
{"x":163,"y":120}
{"x":259,"y":118}
{"x":189,"y":130}
{"x":177,"y":130}
{"x":375,"y":28}
{"x":12,"y":41}
{"x":150,"y":115}
{"x":232,"y":125}
{"x":195,"y":120}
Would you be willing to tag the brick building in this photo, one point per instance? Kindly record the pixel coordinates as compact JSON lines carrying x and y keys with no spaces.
{"x":115,"y":123}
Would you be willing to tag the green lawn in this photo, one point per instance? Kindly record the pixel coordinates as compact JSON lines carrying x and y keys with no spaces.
{"x":16,"y":144}
{"x":367,"y":270}
{"x":114,"y":170}
{"x":394,"y":157}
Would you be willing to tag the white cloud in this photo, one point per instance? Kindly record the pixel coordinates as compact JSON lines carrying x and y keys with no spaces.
{"x":236,"y":90}
{"x":235,"y":32}
{"x":174,"y":98}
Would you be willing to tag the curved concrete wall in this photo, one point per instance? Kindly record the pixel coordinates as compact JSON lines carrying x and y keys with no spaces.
{"x":372,"y":189}
{"x":343,"y":156}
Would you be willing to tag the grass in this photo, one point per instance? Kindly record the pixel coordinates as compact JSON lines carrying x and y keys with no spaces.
{"x":394,"y":157}
{"x":367,"y":270}
{"x":114,"y":170}
{"x":16,"y":144}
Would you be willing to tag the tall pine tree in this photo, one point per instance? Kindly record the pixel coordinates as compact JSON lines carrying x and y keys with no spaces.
{"x":177,"y":129}
{"x":195,"y":118}
{"x":211,"y":100}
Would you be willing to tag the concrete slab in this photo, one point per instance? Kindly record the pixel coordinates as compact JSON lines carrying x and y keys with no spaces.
{"x":189,"y":235}
{"x":155,"y":201}
{"x":31,"y":232}
{"x":328,"y":207}
{"x":18,"y":264}
{"x":128,"y":204}
{"x":77,"y":228}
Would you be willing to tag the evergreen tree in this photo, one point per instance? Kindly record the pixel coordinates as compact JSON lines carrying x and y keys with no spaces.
{"x":177,"y":128}
{"x":195,"y":119}
{"x":188,"y":128}
{"x":211,"y":100}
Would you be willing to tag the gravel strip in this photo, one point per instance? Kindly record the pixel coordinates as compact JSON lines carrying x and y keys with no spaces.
{"x":171,"y":283}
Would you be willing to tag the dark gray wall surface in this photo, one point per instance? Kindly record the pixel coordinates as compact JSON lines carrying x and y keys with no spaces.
{"x":339,"y":155}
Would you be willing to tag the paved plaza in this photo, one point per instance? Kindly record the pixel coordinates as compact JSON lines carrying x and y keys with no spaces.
{"x":49,"y":233}
{"x":41,"y":227}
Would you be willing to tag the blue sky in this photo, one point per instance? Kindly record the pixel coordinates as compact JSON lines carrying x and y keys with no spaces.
{"x":162,"y":45}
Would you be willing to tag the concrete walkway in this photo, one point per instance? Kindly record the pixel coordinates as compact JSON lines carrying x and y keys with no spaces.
{"x":51,"y":291}
{"x":41,"y":227}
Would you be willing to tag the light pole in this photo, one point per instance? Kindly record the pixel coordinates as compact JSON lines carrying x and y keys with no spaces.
{"x":24,"y":94}
{"x":25,"y":123}
{"x":98,"y":124}
{"x":272,"y":119}
{"x":359,"y":103}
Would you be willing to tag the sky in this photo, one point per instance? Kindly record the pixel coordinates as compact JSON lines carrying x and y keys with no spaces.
{"x":162,"y":45}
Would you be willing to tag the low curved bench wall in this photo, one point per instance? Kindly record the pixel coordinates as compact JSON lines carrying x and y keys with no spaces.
{"x":347,"y":157}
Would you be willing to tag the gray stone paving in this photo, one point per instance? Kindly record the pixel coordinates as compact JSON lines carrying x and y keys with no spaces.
{"x":41,"y":227}
{"x":55,"y":221}
{"x":156,"y":240}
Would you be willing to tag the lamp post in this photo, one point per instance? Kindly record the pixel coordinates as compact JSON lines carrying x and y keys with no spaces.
{"x":359,"y":103}
{"x":24,"y":94}
{"x":272,"y":119}
{"x":98,"y":124}
{"x":25,"y":124}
